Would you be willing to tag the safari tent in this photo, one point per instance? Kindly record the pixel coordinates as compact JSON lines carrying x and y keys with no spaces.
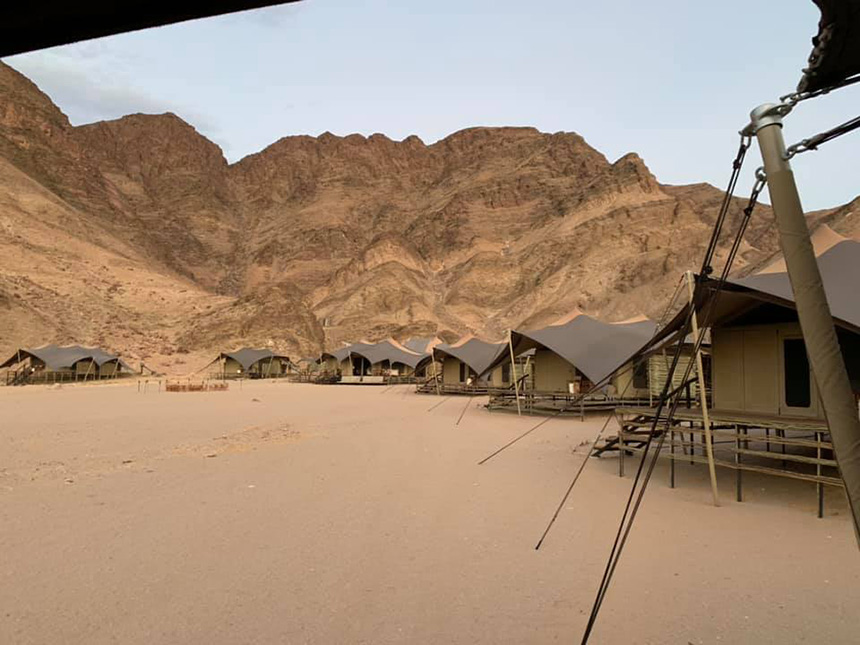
{"x":463,"y":362}
{"x":374,"y":363}
{"x":252,"y":363}
{"x":575,"y":354}
{"x":765,"y":414}
{"x":57,"y":363}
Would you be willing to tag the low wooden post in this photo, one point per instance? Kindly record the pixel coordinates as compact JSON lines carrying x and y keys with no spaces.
{"x":818,"y":485}
{"x":738,"y":471}
{"x":672,"y":456}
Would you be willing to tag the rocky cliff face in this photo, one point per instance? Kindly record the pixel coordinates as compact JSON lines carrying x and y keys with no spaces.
{"x":136,"y":234}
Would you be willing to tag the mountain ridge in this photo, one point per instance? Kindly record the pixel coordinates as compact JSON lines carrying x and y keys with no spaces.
{"x":136,"y":233}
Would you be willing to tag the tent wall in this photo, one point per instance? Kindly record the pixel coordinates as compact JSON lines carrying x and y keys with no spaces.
{"x":496,"y":377}
{"x":86,"y":367}
{"x":455,"y":372}
{"x":451,"y":370}
{"x":232,"y":368}
{"x":627,"y":386}
{"x":658,"y":368}
{"x":551,"y":373}
{"x":109,"y":369}
{"x":763,"y":369}
{"x":380,"y":368}
{"x":400,"y":369}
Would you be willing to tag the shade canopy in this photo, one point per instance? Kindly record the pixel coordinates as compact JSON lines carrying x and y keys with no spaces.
{"x":477,"y":354}
{"x":595,"y":348}
{"x":374,"y":353}
{"x":836,"y":47}
{"x":421,"y":345}
{"x":839,"y":266}
{"x":27,"y":26}
{"x":58,"y":357}
{"x":247,"y":356}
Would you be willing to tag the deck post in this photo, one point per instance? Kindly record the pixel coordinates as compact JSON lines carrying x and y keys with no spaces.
{"x":818,"y":485}
{"x":700,"y":375}
{"x":813,"y":310}
{"x":514,"y":370}
{"x":435,"y":374}
{"x":738,"y":471}
{"x":672,"y":455}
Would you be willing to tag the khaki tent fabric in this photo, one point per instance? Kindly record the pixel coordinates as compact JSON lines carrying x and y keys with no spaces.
{"x":475,"y":353}
{"x":246,"y":357}
{"x":595,"y":348}
{"x":58,"y":357}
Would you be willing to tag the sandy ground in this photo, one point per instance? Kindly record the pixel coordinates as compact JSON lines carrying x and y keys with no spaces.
{"x":283,"y":513}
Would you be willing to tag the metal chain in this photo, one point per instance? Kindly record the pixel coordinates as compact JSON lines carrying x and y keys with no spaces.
{"x":758,"y":186}
{"x":794,"y":98}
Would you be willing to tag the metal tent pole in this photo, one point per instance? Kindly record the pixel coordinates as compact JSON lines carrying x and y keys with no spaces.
{"x":816,"y":321}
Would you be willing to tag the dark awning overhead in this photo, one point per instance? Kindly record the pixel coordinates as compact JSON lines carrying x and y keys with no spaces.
{"x":58,"y":357}
{"x":246,"y":357}
{"x":26,"y":26}
{"x":595,"y":348}
{"x":836,"y":48}
{"x":477,"y":354}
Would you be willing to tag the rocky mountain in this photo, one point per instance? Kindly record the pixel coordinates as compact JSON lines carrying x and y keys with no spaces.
{"x":137,"y":235}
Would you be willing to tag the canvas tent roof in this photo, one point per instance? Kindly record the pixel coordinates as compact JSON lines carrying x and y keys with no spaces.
{"x":387,"y":351}
{"x":247,"y":356}
{"x":36,"y":25}
{"x":839,"y":266}
{"x":595,"y":348}
{"x":420,"y":345}
{"x":58,"y":357}
{"x":475,"y":353}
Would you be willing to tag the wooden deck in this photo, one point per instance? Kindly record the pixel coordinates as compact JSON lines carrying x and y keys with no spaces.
{"x":453,"y":389}
{"x":794,"y":447}
{"x":545,"y":403}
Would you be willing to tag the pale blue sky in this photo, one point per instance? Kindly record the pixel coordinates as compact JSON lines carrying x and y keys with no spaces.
{"x":673,"y":80}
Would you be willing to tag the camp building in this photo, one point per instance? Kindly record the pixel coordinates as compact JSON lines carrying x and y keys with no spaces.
{"x":462,"y":366}
{"x":764,"y":414}
{"x":374,"y":363}
{"x":251,"y":363}
{"x":57,"y":363}
{"x":572,"y":356}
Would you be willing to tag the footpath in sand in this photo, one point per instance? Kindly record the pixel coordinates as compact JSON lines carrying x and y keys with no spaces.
{"x":286,"y":513}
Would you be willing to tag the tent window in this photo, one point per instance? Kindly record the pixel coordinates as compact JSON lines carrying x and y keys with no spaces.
{"x":462,"y":372}
{"x":640,"y":375}
{"x":506,"y":373}
{"x":796,"y":365}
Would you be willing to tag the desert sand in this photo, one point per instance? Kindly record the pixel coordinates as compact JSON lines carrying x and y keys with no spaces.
{"x":286,"y":513}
